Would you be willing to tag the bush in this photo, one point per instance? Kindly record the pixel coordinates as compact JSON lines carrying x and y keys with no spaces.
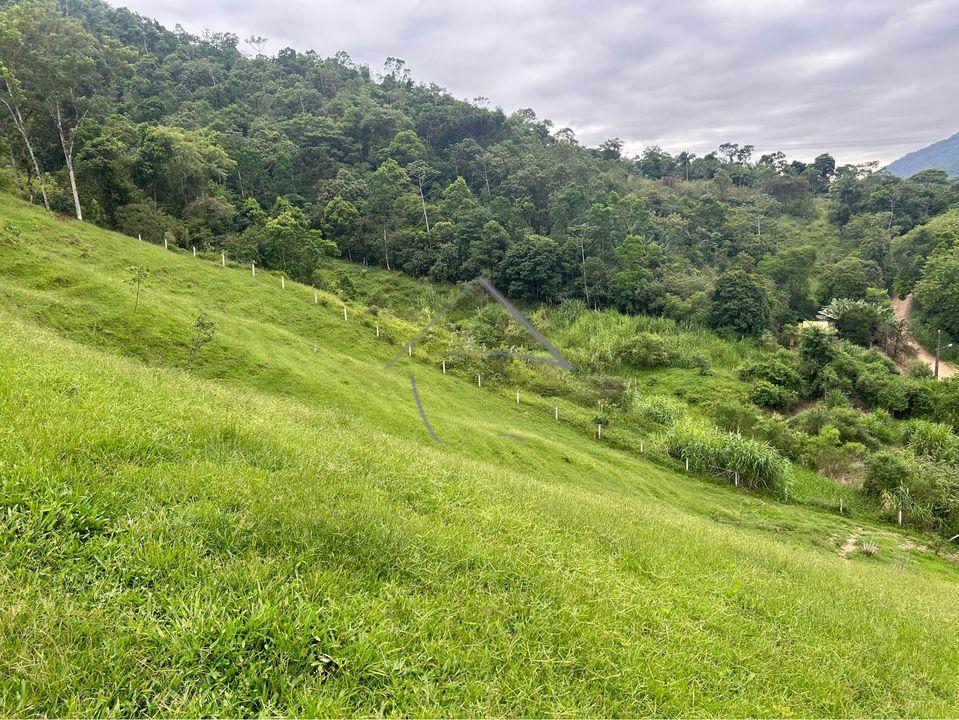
{"x":775,"y":369}
{"x":765,"y":394}
{"x":711,"y":450}
{"x":932,"y":440}
{"x":647,"y":350}
{"x":661,"y":409}
{"x":919,"y":370}
{"x":887,"y":471}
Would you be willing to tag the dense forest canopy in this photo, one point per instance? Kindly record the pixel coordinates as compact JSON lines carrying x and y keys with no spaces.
{"x":287,"y":160}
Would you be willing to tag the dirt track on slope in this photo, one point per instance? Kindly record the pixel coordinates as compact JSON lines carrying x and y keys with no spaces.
{"x":902,"y":309}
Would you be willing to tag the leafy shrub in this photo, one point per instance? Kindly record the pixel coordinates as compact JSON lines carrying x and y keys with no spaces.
{"x":879,"y":424}
{"x":661,"y":409}
{"x":711,"y":450}
{"x":765,"y":394}
{"x":879,"y":388}
{"x":775,"y":369}
{"x":647,"y":350}
{"x":887,"y":471}
{"x":733,"y":415}
{"x":919,"y":370}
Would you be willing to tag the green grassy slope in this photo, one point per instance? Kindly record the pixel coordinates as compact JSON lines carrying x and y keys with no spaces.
{"x":272,"y":531}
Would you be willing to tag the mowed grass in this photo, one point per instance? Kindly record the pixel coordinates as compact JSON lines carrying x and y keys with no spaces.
{"x":271,"y":530}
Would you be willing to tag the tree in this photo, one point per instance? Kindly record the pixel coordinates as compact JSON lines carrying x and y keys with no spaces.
{"x":848,"y":278}
{"x":60,"y":67}
{"x":532,"y":268}
{"x":137,"y":278}
{"x":204,"y":330}
{"x":937,"y":293}
{"x":390,"y":196}
{"x":340,"y":221}
{"x":12,"y":97}
{"x":421,"y":174}
{"x":740,"y":303}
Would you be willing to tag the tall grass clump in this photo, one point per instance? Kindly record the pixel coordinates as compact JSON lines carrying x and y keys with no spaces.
{"x":660,"y":409}
{"x":759,"y":464}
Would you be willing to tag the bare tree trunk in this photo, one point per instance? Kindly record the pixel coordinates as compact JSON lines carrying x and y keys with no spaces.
{"x":22,"y":128}
{"x":425,"y":216}
{"x":386,"y":249}
{"x":68,"y":158}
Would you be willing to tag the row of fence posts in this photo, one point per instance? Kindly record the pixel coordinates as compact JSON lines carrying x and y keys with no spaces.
{"x":479,"y":377}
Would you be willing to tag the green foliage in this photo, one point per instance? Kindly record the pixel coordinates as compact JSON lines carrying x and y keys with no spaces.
{"x":759,"y":465}
{"x":741,"y":303}
{"x":765,"y":394}
{"x":264,"y":532}
{"x":660,"y":409}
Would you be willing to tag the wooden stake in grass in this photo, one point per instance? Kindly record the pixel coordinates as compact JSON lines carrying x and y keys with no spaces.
{"x":687,"y":464}
{"x":377,"y":331}
{"x":840,"y":506}
{"x":599,"y":431}
{"x":166,"y":244}
{"x":222,"y":259}
{"x":517,"y":397}
{"x":444,"y":367}
{"x":344,"y":313}
{"x":194,"y":251}
{"x":282,"y":283}
{"x":479,"y":381}
{"x":642,"y":446}
{"x":900,"y":514}
{"x":736,"y":479}
{"x":253,"y":268}
{"x":139,"y":237}
{"x":409,"y":350}
{"x":316,"y":297}
{"x":556,"y":412}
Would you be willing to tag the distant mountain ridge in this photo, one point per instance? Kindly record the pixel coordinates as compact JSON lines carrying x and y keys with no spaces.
{"x":943,"y":155}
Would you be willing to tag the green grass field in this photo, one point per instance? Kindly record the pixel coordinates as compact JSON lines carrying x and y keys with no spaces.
{"x":269,"y":530}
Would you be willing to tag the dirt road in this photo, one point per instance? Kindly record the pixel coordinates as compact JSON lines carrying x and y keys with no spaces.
{"x":902,"y":309}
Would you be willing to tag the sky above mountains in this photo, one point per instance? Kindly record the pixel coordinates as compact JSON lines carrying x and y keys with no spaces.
{"x":862,"y":79}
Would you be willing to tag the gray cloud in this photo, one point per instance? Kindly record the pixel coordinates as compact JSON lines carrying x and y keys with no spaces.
{"x":863,"y":79}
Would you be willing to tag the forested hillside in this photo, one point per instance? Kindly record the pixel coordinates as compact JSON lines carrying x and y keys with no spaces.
{"x":288,"y":160}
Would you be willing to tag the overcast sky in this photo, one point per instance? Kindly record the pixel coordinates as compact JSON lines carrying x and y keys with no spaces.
{"x":865,"y":80}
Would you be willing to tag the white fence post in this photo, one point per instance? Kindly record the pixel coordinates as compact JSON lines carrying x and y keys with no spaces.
{"x":253,"y":268}
{"x":444,"y":367}
{"x":840,"y":506}
{"x":377,"y":331}
{"x":139,"y":237}
{"x":194,"y":251}
{"x":409,"y":350}
{"x":282,"y":283}
{"x":556,"y":412}
{"x":344,"y":312}
{"x":599,"y":431}
{"x":687,"y":464}
{"x":517,"y":397}
{"x":641,"y":446}
{"x":479,"y":380}
{"x":166,"y":244}
{"x":316,"y":297}
{"x":222,"y":259}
